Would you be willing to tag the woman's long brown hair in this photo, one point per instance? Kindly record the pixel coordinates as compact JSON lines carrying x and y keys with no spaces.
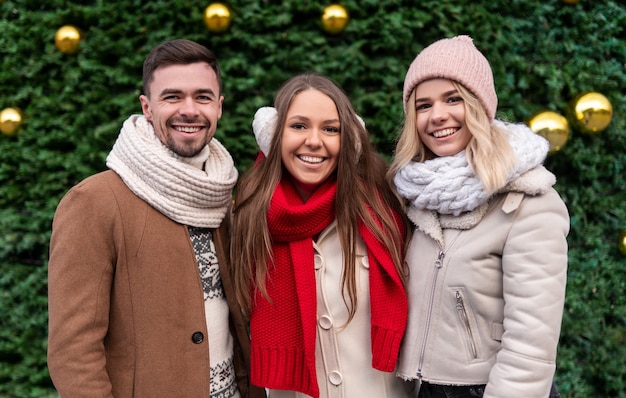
{"x":361,"y":186}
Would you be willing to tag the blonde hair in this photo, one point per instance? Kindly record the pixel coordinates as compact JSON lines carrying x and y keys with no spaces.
{"x":488,"y":152}
{"x":357,"y":185}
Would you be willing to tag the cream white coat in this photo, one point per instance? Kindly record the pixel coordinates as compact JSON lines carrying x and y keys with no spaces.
{"x":343,"y":354}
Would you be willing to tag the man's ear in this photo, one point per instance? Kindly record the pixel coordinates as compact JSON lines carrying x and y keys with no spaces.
{"x":219,"y":116}
{"x":145,"y":107}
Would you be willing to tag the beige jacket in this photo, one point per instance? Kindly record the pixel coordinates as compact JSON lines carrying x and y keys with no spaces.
{"x":486,"y":292}
{"x":343,"y":354}
{"x":126,"y":303}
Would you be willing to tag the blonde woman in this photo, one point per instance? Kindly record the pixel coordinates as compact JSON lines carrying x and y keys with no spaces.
{"x":488,"y":258}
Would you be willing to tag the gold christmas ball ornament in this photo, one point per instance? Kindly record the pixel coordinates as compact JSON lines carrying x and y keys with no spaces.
{"x":590,"y":112}
{"x":335,"y":18}
{"x":621,"y":243}
{"x":552,"y":126}
{"x":10,"y":121}
{"x":217,"y":17}
{"x":67,"y":39}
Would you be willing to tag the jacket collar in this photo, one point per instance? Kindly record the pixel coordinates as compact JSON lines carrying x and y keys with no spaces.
{"x":534,"y":182}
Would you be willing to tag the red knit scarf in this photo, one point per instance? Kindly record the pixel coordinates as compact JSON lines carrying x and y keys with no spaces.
{"x":283,"y":331}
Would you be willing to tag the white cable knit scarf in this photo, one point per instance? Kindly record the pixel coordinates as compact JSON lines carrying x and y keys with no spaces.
{"x":170,"y":183}
{"x":448,"y":184}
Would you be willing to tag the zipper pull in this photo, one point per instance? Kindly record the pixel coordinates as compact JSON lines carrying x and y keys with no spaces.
{"x":439,"y":261}
{"x":459,"y":301}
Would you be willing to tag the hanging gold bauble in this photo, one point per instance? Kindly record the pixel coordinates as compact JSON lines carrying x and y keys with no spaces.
{"x":217,"y":17}
{"x":67,"y":39}
{"x":10,"y":121}
{"x":335,"y":18}
{"x":621,"y":243}
{"x":551,"y":126}
{"x":590,"y":112}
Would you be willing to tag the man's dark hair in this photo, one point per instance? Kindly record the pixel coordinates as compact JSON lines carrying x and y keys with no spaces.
{"x":177,"y":52}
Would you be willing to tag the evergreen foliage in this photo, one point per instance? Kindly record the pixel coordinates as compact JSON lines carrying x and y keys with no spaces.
{"x":543,"y":53}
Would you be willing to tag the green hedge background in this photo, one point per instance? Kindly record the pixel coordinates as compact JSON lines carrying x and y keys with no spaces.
{"x":543,"y":53}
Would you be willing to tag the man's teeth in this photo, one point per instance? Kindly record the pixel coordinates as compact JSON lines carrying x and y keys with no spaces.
{"x":311,"y":159}
{"x":188,"y":129}
{"x":443,"y":133}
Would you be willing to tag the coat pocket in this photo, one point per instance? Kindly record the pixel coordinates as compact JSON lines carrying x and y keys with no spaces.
{"x":467,"y":323}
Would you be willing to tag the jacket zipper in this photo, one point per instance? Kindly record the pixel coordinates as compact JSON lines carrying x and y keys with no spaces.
{"x":460,"y":308}
{"x":438,"y":264}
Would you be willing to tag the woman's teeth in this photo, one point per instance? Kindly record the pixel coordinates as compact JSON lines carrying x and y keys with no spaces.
{"x":311,"y":159}
{"x":444,"y":133}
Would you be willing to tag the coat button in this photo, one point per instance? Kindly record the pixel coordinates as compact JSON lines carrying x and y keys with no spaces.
{"x":197,"y":337}
{"x":335,"y":378}
{"x":325,"y":322}
{"x":318,"y":261}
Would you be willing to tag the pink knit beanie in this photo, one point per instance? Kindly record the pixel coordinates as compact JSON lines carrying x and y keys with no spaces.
{"x":456,"y":59}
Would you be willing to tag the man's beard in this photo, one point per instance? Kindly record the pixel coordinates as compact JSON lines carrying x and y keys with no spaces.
{"x":190,"y":150}
{"x":186,"y":151}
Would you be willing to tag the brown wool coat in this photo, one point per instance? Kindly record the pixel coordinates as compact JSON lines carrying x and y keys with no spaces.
{"x":125,"y":299}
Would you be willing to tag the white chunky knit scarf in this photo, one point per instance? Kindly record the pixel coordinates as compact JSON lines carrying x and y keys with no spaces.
{"x":193,"y":191}
{"x":448,"y":184}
